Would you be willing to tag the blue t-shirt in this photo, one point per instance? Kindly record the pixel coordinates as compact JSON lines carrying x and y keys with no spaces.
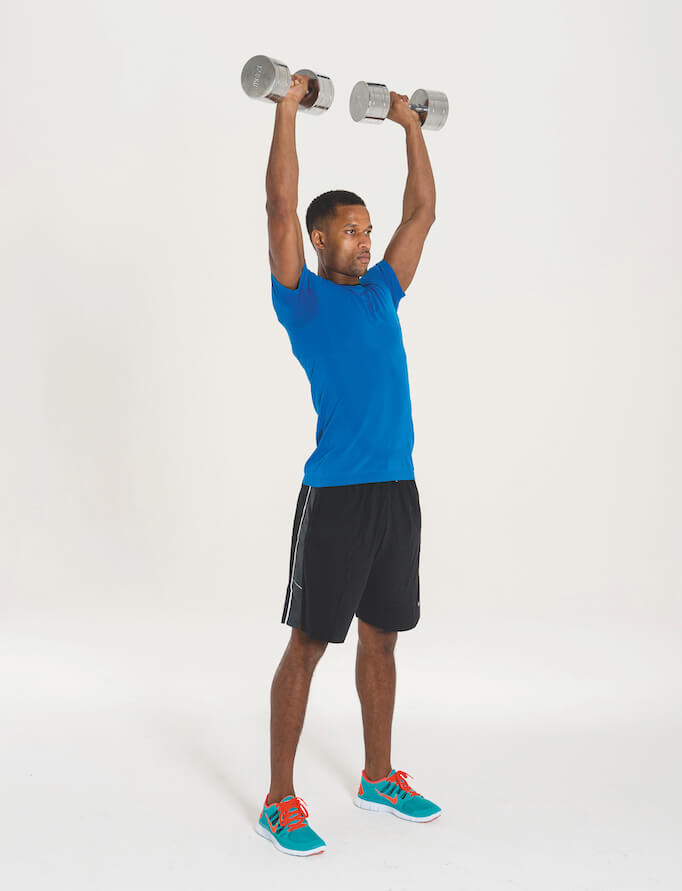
{"x":349,"y":341}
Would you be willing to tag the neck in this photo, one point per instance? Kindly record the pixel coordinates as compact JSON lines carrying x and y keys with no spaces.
{"x":339,"y":278}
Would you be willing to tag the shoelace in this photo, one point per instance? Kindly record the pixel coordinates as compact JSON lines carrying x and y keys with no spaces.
{"x":399,"y":778}
{"x":292,"y":813}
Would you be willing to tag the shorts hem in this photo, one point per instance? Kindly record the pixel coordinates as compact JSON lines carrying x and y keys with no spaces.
{"x":382,"y":627}
{"x":317,"y":637}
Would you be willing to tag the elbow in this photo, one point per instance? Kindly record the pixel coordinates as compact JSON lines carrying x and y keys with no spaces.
{"x":427,"y":214}
{"x":279,"y":196}
{"x":279,"y":206}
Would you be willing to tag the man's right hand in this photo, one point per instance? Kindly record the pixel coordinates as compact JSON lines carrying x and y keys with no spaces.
{"x":297,"y":90}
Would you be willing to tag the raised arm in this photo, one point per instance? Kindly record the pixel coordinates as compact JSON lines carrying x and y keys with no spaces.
{"x":419,"y":202}
{"x":281,"y":186}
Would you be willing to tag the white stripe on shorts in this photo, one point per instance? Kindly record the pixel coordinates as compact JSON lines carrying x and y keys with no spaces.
{"x":293,"y":564}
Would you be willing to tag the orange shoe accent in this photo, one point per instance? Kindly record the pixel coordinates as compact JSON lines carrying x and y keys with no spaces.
{"x":391,"y":798}
{"x":360,"y":790}
{"x":396,"y":776}
{"x":292,"y":814}
{"x":402,"y":782}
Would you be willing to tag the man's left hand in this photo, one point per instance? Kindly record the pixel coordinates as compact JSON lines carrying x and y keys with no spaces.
{"x":400,"y":111}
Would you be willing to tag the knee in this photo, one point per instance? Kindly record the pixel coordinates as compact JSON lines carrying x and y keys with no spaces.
{"x":305,"y":649}
{"x":376,"y":640}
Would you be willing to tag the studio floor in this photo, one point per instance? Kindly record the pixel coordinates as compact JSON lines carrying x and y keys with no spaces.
{"x":130,"y":762}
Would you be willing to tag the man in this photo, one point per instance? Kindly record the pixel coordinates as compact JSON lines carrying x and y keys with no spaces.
{"x":356,"y":535}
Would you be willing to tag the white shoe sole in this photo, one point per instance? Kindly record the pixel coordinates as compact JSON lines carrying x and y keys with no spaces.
{"x":372,"y":806}
{"x":265,"y":833}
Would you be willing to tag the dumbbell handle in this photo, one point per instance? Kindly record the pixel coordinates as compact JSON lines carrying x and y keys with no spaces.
{"x":370,"y":101}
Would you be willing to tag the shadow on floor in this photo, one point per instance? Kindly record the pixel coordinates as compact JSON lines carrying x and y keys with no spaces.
{"x":204,"y":749}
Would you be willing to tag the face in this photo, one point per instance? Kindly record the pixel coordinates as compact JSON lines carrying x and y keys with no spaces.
{"x":344,"y":247}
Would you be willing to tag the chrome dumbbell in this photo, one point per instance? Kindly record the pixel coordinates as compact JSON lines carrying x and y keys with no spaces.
{"x":371,"y":102}
{"x":269,"y":79}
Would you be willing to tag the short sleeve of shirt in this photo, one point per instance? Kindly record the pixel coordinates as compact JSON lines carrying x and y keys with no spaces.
{"x":294,"y":306}
{"x":383,"y":271}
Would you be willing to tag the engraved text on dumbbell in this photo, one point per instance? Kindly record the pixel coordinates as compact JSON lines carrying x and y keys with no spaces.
{"x":269,"y":79}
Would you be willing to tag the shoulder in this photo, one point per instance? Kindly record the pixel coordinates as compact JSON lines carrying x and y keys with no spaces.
{"x":296,"y":306}
{"x":381,"y":271}
{"x":303,"y":282}
{"x":384,"y":274}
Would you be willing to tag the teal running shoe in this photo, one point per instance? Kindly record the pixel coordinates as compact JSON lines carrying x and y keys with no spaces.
{"x":285,"y":824}
{"x":394,"y":795}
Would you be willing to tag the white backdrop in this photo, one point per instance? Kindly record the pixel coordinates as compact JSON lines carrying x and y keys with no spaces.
{"x":155,"y":427}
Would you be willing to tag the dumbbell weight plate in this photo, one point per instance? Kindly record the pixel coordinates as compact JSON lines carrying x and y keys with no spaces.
{"x":369,"y":102}
{"x":265,"y":78}
{"x":436,"y":105}
{"x":321,"y":93}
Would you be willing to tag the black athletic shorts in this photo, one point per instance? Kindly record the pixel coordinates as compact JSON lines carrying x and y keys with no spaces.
{"x":354,"y":551}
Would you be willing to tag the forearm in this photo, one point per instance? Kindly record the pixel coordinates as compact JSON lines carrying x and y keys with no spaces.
{"x":281,"y":178}
{"x":420,"y":189}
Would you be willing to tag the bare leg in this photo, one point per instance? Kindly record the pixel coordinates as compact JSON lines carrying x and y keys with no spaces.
{"x":375,"y":682}
{"x":288,"y":700}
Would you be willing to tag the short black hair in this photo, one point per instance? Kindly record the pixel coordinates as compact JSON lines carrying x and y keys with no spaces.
{"x":324,"y":206}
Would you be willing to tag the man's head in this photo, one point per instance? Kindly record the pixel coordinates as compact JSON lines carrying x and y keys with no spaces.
{"x":339,"y":227}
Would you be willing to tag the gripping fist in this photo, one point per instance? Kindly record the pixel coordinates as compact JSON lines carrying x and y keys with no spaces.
{"x":400,"y":110}
{"x":298,"y":88}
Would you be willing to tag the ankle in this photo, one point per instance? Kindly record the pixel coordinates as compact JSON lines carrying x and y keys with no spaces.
{"x":374,"y":775}
{"x":278,"y":794}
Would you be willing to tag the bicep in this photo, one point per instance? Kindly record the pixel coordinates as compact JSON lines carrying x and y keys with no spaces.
{"x":285,"y":247}
{"x":405,"y":248}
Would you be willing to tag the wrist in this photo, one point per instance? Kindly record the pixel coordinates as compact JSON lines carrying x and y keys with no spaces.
{"x":288,"y":102}
{"x":413,"y":125}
